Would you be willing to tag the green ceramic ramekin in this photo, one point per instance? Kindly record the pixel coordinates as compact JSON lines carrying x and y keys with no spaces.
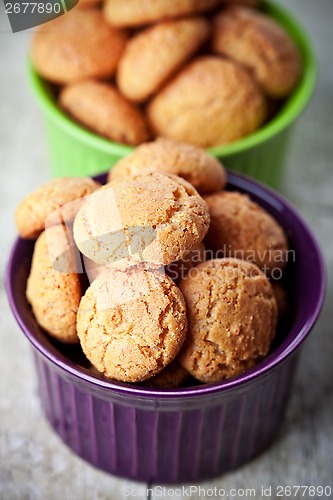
{"x":75,"y":150}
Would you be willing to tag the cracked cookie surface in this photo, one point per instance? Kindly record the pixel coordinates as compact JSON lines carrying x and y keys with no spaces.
{"x":194,"y":164}
{"x":241,"y":228}
{"x":36,"y":207}
{"x":204,"y":104}
{"x":156,"y":218}
{"x":232,"y":316}
{"x":153,"y":55}
{"x":54,"y":295}
{"x":256,"y":41}
{"x":131,"y":324}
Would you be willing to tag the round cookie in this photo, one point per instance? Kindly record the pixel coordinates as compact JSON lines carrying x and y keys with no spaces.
{"x":176,"y":270}
{"x":131,"y":324}
{"x":101,"y":108}
{"x":155,"y":218}
{"x":54,"y":295}
{"x":179,"y":269}
{"x":232,"y":316}
{"x":196,"y":166}
{"x":139,"y":12}
{"x":154,"y":54}
{"x":79,"y":45}
{"x":204,"y":104}
{"x":255,"y":40}
{"x":241,"y":228}
{"x":173,"y":375}
{"x":57,"y":195}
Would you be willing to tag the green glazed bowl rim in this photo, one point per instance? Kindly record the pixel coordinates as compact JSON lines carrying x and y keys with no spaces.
{"x":291,"y":109}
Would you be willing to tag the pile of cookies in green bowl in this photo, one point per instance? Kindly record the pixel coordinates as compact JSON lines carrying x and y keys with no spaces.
{"x":208,"y":73}
{"x":162,"y":275}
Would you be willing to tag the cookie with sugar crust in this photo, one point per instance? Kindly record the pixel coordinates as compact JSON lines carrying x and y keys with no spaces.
{"x":205,"y":172}
{"x":155,"y":218}
{"x":154,"y":54}
{"x":131,"y":324}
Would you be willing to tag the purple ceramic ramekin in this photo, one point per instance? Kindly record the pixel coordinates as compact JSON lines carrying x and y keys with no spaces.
{"x":176,"y":435}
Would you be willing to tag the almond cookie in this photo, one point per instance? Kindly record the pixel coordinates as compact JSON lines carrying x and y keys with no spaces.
{"x":259,"y":43}
{"x":101,"y":108}
{"x":154,"y":54}
{"x":155,"y":218}
{"x":173,"y":375}
{"x":79,"y":45}
{"x":232,"y":316}
{"x":196,"y":166}
{"x":140,"y":12}
{"x":54,"y":295}
{"x":57,"y":197}
{"x":241,"y":228}
{"x":177,"y":270}
{"x":204,"y":104}
{"x":180,"y":269}
{"x":132,"y":323}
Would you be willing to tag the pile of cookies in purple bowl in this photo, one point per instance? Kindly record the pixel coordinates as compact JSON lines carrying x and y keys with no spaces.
{"x":169,"y":302}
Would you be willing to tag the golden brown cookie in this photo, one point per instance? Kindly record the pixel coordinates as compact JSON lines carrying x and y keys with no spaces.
{"x":55,"y":197}
{"x":232,"y":315}
{"x":101,"y":108}
{"x":255,"y":40}
{"x":131,"y":324}
{"x":79,"y":45}
{"x":196,"y":166}
{"x":155,"y":218}
{"x":173,"y":375}
{"x":154,"y":54}
{"x":140,"y":12}
{"x":53,"y":294}
{"x":240,"y":228}
{"x":178,"y":270}
{"x":204,"y":104}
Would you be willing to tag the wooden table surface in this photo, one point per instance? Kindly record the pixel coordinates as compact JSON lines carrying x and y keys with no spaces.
{"x":34,"y":464}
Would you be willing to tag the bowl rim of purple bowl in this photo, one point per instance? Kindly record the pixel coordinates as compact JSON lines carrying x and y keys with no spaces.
{"x":271,"y":362}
